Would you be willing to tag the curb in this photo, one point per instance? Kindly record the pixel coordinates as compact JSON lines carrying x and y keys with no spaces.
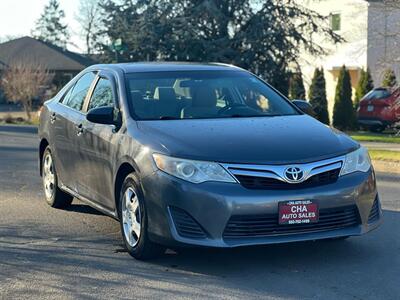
{"x":19,"y":128}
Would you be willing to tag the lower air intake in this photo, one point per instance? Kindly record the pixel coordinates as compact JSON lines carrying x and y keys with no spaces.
{"x":374,"y":214}
{"x":251,"y":226}
{"x":185,"y":225}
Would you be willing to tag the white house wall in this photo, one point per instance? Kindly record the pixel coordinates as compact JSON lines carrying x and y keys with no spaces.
{"x":352,"y":53}
{"x":383,"y":39}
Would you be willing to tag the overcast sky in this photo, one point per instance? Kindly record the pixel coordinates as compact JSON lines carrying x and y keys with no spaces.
{"x":17,"y":18}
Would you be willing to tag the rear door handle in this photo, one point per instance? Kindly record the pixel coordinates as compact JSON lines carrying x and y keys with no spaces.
{"x":79,"y":129}
{"x":53,"y":118}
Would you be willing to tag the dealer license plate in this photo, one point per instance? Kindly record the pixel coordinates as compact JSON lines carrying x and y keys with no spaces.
{"x":298,"y":212}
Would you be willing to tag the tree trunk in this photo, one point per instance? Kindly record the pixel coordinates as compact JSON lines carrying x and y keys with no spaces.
{"x":28,"y":110}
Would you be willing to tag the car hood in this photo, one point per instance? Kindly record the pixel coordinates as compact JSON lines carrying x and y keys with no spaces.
{"x":260,"y":140}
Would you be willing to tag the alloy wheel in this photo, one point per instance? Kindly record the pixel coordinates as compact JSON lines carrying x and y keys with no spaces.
{"x":49,"y":180}
{"x":131,"y":216}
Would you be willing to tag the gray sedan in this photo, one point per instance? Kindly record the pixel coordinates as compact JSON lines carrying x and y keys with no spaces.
{"x":201,"y":155}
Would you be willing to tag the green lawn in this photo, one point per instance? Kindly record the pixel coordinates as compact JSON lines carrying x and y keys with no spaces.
{"x":374,"y":137}
{"x":385,"y":155}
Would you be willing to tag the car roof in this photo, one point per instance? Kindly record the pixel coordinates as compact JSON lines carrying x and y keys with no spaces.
{"x":167,"y":66}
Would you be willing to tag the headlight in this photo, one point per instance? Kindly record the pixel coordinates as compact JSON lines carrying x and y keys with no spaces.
{"x":191,"y":170}
{"x":358,"y":160}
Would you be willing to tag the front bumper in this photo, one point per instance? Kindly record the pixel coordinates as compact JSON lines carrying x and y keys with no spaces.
{"x":211,"y":205}
{"x":365,"y":121}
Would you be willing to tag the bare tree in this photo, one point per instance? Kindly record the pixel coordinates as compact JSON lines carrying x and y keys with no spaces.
{"x":21,"y":82}
{"x":384,"y":36}
{"x":89,"y":17}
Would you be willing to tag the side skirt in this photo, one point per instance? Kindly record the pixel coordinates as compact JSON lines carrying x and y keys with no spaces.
{"x":91,"y":203}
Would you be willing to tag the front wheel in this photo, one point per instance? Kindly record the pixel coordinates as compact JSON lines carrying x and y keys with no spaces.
{"x":377,"y":128}
{"x":54,"y":196}
{"x":134,"y":222}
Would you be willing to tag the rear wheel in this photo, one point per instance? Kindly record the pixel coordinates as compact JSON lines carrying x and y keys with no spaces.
{"x":134,"y":222}
{"x":54,"y":196}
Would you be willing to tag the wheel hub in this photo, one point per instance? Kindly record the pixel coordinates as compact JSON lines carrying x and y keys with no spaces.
{"x":48,"y":176}
{"x":131,"y":216}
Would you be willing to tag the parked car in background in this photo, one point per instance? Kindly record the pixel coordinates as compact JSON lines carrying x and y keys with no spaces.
{"x":201,"y":155}
{"x":379,"y":109}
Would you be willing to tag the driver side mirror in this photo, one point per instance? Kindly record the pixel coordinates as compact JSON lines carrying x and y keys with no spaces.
{"x":305,"y":107}
{"x":102,"y":115}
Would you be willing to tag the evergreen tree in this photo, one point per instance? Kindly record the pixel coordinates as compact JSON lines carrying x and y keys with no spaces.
{"x":360,"y":92}
{"x":50,"y":27}
{"x":296,"y":88}
{"x":365,"y":84}
{"x":264,"y":39}
{"x":389,"y":78}
{"x":369,"y":82}
{"x":281,"y":80}
{"x":317,"y":96}
{"x":343,"y":111}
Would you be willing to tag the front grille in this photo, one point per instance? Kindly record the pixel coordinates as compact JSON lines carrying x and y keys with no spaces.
{"x":268,"y":225}
{"x":374,"y":213}
{"x":255,"y":182}
{"x":185,"y":225}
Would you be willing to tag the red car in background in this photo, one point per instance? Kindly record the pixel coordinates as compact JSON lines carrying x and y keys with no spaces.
{"x":379,"y":109}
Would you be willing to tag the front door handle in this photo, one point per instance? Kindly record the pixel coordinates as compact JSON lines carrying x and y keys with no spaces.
{"x":53,"y":118}
{"x":79,"y":129}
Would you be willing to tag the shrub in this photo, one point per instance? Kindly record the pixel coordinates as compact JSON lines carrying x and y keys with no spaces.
{"x":296,"y":87}
{"x":317,"y":96}
{"x":343,"y":111}
{"x":365,"y":84}
{"x":389,"y":78}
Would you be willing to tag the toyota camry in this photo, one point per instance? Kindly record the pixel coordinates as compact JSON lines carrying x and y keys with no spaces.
{"x":185,"y":154}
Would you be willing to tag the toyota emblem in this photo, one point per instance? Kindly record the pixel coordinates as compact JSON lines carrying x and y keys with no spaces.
{"x":294,"y":174}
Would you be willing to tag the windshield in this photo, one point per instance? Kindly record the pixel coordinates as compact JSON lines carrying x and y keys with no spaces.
{"x":377,"y":94}
{"x":202,"y":94}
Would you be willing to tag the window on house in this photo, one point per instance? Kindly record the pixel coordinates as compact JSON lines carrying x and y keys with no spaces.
{"x":335,"y":22}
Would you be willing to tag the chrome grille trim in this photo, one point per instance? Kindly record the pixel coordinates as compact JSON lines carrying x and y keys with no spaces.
{"x":277,"y":171}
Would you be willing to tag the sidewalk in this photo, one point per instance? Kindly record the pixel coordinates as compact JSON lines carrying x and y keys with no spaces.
{"x":381,"y":146}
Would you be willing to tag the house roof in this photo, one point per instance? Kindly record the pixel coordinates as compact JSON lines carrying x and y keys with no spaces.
{"x":30,"y":50}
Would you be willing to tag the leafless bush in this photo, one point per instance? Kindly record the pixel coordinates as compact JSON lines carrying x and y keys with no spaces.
{"x":8,"y":119}
{"x":21,"y":82}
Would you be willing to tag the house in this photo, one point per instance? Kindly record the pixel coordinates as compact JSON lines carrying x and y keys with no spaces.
{"x":371,"y":30}
{"x":29,"y":51}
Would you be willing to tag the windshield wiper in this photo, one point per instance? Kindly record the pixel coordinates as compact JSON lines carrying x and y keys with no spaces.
{"x":168,"y":118}
{"x":252,"y":116}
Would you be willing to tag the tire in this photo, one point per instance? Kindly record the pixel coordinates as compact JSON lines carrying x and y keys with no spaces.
{"x":133,"y":220}
{"x":378,"y":128}
{"x":54,"y":196}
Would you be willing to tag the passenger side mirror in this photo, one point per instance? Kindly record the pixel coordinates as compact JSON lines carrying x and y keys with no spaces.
{"x":102,"y":115}
{"x":304,"y":107}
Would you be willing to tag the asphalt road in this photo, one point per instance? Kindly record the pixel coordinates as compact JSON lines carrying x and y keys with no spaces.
{"x":56,"y":254}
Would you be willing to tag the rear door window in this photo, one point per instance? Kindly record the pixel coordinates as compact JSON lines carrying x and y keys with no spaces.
{"x":76,"y":96}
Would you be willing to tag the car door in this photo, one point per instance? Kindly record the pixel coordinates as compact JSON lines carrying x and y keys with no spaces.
{"x":66,"y":123}
{"x":97,"y":146}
